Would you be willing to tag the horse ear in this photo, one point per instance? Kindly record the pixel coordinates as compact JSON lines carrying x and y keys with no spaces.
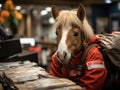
{"x":55,"y":12}
{"x":81,"y":12}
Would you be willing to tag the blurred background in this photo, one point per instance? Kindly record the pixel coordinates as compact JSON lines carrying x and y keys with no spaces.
{"x":31,"y":21}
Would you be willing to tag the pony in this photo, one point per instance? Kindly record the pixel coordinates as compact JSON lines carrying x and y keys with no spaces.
{"x":72,"y":30}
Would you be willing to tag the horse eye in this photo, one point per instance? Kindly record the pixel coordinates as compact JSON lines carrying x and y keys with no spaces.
{"x":56,"y":33}
{"x":75,"y":34}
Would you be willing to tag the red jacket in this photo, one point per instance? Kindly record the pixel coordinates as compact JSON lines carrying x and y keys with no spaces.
{"x":95,"y":70}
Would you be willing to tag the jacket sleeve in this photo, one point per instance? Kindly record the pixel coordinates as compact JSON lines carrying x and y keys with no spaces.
{"x":55,"y":69}
{"x":95,"y":72}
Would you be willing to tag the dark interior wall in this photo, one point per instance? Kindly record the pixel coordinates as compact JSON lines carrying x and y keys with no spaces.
{"x":114,"y":17}
{"x":103,"y":11}
{"x":113,"y":8}
{"x":99,"y":11}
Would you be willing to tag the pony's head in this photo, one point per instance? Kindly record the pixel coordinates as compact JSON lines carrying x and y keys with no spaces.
{"x":72,"y":30}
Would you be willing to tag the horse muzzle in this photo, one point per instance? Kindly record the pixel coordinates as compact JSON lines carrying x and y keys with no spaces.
{"x":62,"y":57}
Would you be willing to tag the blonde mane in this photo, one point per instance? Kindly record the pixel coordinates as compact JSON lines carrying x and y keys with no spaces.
{"x":69,"y":17}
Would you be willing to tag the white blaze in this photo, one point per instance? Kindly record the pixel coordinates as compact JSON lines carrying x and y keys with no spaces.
{"x":62,"y":47}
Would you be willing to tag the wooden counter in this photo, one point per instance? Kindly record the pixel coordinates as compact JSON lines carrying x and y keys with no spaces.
{"x":27,"y":75}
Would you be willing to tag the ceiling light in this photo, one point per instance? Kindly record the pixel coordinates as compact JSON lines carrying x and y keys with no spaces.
{"x":43,"y":12}
{"x":0,"y":5}
{"x":51,"y":20}
{"x":18,"y":7}
{"x":108,"y":1}
{"x":35,"y":12}
{"x":48,"y":9}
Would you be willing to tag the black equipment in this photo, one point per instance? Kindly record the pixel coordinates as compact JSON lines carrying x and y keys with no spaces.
{"x":8,"y":46}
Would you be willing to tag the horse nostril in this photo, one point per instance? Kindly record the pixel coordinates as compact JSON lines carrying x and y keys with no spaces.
{"x":61,"y":56}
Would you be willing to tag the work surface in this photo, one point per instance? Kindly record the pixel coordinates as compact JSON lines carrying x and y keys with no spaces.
{"x":28,"y":75}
